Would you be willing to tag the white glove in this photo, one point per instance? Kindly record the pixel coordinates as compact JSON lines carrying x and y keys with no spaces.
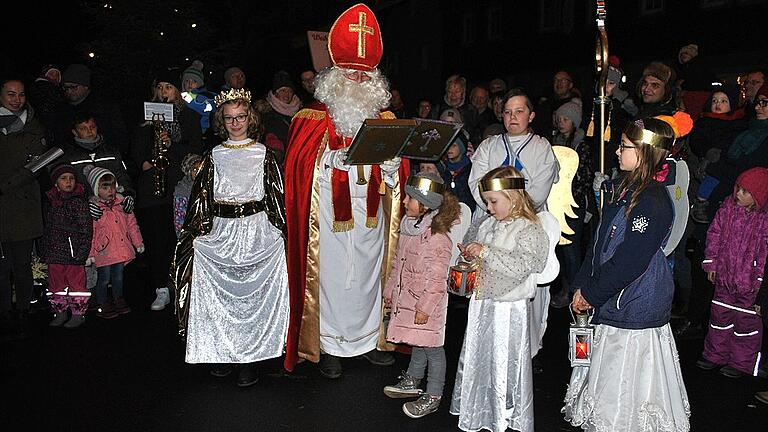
{"x":90,"y":261}
{"x":390,"y":167}
{"x":338,"y":157}
{"x":140,"y":249}
{"x":598,"y":183}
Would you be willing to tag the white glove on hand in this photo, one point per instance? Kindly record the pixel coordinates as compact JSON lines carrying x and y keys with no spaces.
{"x":390,"y":167}
{"x":599,"y":179}
{"x":338,"y":157}
{"x":90,"y":261}
{"x":140,"y":249}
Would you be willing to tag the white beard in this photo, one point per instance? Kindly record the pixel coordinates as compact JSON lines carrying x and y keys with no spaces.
{"x":350,"y":103}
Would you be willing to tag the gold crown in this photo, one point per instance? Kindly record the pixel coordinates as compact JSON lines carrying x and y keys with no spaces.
{"x":500,"y":184}
{"x":635,"y":132}
{"x":425,"y":185}
{"x":232,"y":94}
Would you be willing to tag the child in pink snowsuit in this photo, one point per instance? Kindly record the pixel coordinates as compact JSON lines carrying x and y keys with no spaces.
{"x":737,"y":245}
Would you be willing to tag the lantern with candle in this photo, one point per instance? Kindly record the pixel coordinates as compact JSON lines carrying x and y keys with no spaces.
{"x":580,"y":340}
{"x":463,"y":277}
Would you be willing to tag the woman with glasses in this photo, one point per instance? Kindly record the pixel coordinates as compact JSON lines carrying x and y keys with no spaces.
{"x":154,"y":211}
{"x":230,"y":268}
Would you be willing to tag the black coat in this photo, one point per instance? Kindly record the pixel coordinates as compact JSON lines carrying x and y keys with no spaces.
{"x":108,"y":119}
{"x":103,"y":156}
{"x":20,"y":207}
{"x":714,"y":132}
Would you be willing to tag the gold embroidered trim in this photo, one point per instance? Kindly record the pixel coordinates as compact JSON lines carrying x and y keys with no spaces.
{"x":371,"y":222}
{"x":310,"y":114}
{"x":239,"y":146}
{"x":342,"y":226}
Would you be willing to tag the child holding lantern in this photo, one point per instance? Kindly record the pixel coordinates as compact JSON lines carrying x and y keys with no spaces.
{"x":634,"y":377}
{"x":494,"y":381}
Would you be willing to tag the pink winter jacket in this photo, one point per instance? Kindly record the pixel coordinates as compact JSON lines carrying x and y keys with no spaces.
{"x":115,"y":235}
{"x":418,"y":282}
{"x":737,"y":245}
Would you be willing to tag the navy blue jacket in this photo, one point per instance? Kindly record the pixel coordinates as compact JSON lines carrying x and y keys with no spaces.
{"x":625,"y":274}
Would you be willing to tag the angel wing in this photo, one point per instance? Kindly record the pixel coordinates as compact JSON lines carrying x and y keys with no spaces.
{"x":560,"y":201}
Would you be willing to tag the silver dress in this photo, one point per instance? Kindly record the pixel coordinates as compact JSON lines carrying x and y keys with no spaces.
{"x":239,"y":305}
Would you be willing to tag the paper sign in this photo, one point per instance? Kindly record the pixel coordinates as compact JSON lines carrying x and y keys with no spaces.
{"x":154,"y":109}
{"x":318,"y":47}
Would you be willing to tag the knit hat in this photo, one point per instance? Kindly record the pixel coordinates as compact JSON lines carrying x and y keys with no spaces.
{"x":62,"y":169}
{"x":189,"y":162}
{"x":615,"y":74}
{"x":730,"y":90}
{"x":452,"y":115}
{"x":282,"y":79}
{"x":755,"y":181}
{"x":195,"y":73}
{"x":660,"y":71}
{"x":692,"y":50}
{"x":231,"y":71}
{"x":77,"y":74}
{"x":762,"y":91}
{"x":170,"y":76}
{"x":427,"y":196}
{"x":94,"y":174}
{"x":571,"y":110}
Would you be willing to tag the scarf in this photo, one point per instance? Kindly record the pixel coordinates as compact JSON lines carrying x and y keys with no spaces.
{"x":749,"y":140}
{"x":12,"y":122}
{"x":89,"y":145}
{"x":411,"y":226}
{"x":286,"y":109}
{"x":457,"y":166}
{"x":733,"y":115}
{"x":340,"y":194}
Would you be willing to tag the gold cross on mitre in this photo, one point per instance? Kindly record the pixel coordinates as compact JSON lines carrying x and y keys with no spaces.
{"x":361,"y":29}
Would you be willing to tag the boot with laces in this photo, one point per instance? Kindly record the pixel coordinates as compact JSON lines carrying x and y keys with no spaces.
{"x":426,"y":404}
{"x":406,"y":388}
{"x":163,"y":298}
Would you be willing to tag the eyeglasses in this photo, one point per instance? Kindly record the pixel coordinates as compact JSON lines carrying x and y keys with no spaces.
{"x":558,"y":80}
{"x":761,"y":102}
{"x":70,"y":87}
{"x":239,"y":118}
{"x":623,"y":147}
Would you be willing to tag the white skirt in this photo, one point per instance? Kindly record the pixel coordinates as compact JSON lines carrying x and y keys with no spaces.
{"x":633,"y":384}
{"x":494,"y":380}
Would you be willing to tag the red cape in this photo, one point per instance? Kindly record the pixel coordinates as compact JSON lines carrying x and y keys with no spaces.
{"x":305,"y":136}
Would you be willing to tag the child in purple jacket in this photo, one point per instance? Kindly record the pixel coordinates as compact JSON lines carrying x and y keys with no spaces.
{"x":737,"y":245}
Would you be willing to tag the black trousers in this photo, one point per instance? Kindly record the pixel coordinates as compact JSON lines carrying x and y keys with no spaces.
{"x":156,"y":224}
{"x":16,"y":272}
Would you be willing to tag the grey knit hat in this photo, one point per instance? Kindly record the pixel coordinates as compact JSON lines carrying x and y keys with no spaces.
{"x":571,"y":110}
{"x":426,"y":188}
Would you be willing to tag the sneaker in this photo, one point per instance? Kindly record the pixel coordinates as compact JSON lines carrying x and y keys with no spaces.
{"x":699,"y":211}
{"x":330,"y":366}
{"x":762,"y":396}
{"x":731,"y":372}
{"x":106,"y":311}
{"x":75,"y":322}
{"x":121,"y":307}
{"x":706,"y":365}
{"x":59,"y":319}
{"x":163,"y":298}
{"x":425,"y":404}
{"x":221,"y":370}
{"x":407,"y":387}
{"x":379,"y":358}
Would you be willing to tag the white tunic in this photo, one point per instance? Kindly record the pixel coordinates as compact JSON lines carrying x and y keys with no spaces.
{"x":350,"y":273}
{"x":541,"y":170}
{"x":239,"y":305}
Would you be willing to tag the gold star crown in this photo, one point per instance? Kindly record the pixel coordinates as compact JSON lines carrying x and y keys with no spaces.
{"x":232,"y":94}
